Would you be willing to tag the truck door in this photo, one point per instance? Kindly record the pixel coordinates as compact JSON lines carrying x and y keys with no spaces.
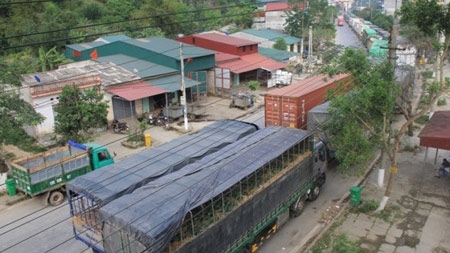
{"x":101,"y":157}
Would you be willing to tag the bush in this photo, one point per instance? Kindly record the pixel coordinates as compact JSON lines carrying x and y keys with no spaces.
{"x":442,"y":102}
{"x":366,"y":206}
{"x":422,"y":120}
{"x":427,"y":74}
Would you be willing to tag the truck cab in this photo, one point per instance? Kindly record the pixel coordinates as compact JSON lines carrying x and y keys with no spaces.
{"x":99,"y":156}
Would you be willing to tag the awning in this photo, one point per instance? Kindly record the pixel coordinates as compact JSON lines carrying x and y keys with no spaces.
{"x":134,"y":91}
{"x":436,"y":134}
{"x":172,"y":83}
{"x":252,"y":62}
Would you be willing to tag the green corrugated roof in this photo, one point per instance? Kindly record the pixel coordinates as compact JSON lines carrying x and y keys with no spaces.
{"x":169,"y":47}
{"x":272,"y":35}
{"x":172,"y":83}
{"x":277,"y":55}
{"x":139,"y":67}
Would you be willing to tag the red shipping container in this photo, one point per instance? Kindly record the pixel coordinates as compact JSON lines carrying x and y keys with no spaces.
{"x":289,"y":106}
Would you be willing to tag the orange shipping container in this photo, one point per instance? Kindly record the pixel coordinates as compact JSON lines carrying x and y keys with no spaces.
{"x":289,"y":105}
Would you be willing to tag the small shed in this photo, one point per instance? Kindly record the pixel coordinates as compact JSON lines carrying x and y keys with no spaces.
{"x":436,"y":134}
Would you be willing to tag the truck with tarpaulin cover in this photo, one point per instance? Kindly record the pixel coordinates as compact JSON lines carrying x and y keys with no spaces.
{"x":88,"y":193}
{"x":48,"y":172}
{"x":229,"y":201}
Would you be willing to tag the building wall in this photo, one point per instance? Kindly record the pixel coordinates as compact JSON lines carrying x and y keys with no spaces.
{"x":275,"y":20}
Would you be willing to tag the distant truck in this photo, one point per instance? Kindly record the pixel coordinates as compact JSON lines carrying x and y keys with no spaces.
{"x":228,"y":201}
{"x":340,"y":21}
{"x":47,"y":172}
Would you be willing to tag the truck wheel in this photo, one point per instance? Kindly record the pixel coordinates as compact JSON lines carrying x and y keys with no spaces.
{"x":315,"y":192}
{"x":297,"y":208}
{"x":56,"y":198}
{"x":322,"y":179}
{"x":191,"y":116}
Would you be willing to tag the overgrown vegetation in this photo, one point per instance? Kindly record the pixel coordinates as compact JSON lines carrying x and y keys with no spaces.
{"x":343,"y":244}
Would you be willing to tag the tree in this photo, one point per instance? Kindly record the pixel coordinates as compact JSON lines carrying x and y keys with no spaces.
{"x":433,"y":19}
{"x":359,"y":119}
{"x":51,"y":59}
{"x":78,"y":111}
{"x":280,"y":44}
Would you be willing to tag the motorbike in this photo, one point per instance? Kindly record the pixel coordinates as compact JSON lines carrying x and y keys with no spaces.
{"x":161,"y":120}
{"x":118,"y":127}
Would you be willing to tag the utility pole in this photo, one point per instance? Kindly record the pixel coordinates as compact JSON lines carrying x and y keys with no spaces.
{"x":310,"y":50}
{"x":183,"y":89}
{"x":393,"y":165}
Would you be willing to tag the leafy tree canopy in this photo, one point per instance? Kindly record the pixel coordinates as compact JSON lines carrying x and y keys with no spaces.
{"x":280,"y":44}
{"x":358,"y":118}
{"x":77,"y":112}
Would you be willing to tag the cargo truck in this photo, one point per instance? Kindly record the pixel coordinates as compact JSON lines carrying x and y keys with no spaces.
{"x":88,"y":193}
{"x":229,"y":201}
{"x":48,"y":172}
{"x":340,"y":21}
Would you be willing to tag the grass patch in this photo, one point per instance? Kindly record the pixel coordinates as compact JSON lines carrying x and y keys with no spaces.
{"x":422,"y":120}
{"x":326,"y":240}
{"x":366,"y":207}
{"x":389,"y":213}
{"x":343,"y":244}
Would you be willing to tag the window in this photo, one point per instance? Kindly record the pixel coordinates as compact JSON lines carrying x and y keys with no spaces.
{"x":102,"y":156}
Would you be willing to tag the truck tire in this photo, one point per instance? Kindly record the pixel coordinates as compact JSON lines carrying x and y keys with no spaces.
{"x":297,"y":208}
{"x":191,"y":116}
{"x":322,"y":179}
{"x":315,"y":192}
{"x":55,"y":198}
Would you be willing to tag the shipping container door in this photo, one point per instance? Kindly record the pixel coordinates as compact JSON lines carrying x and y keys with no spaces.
{"x":290,"y":112}
{"x":272,"y":110}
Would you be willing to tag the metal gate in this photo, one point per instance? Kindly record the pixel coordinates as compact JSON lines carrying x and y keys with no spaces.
{"x":122,"y":108}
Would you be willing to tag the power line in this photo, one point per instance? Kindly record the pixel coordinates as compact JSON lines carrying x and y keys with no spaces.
{"x":125,"y":21}
{"x":25,"y":2}
{"x":120,"y":30}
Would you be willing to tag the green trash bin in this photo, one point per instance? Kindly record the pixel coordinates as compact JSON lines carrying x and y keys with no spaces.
{"x":355,"y":195}
{"x":11,"y":187}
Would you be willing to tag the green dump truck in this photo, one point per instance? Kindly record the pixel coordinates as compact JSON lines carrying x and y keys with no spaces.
{"x":46,"y":173}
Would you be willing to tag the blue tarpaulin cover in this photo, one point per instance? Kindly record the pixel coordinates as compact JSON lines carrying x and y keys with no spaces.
{"x":112,"y":181}
{"x":152,"y":215}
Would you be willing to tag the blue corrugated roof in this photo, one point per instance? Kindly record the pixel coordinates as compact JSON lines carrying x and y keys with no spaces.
{"x":272,"y":35}
{"x":140,"y":67}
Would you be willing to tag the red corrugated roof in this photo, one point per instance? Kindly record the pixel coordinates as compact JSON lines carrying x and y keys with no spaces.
{"x":436,"y":134}
{"x":221,"y":38}
{"x":277,"y":6}
{"x":307,"y":85}
{"x":251,"y":62}
{"x":222,"y":57}
{"x":134,"y":91}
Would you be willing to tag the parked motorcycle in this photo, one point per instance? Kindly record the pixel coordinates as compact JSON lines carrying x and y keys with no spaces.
{"x":119,"y":127}
{"x":161,"y":120}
